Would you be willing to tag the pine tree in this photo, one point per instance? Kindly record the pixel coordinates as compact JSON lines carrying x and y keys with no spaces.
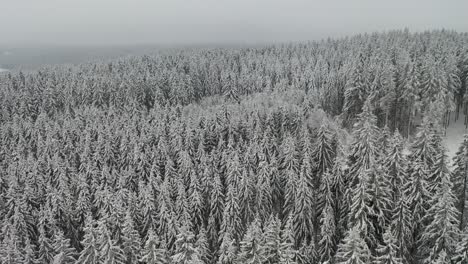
{"x":353,"y":249}
{"x":153,"y":252}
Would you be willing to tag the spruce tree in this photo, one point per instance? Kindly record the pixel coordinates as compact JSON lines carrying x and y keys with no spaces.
{"x":459,"y":178}
{"x":387,"y":252}
{"x":153,"y":251}
{"x":64,"y":253}
{"x":185,"y":251}
{"x":287,"y":252}
{"x":90,"y":252}
{"x":131,"y":242}
{"x":272,"y":239}
{"x":251,"y":247}
{"x":442,"y":233}
{"x":353,"y":249}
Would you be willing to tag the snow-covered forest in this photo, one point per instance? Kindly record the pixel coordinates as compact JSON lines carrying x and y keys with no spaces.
{"x":321,"y":152}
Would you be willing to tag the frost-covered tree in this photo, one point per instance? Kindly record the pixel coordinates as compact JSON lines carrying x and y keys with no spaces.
{"x":131,"y":242}
{"x":251,"y":247}
{"x":64,"y":253}
{"x":185,"y":250}
{"x":353,"y":249}
{"x":459,"y":178}
{"x":387,"y":253}
{"x":90,"y":252}
{"x":287,"y":251}
{"x":154,"y":252}
{"x":442,"y":233}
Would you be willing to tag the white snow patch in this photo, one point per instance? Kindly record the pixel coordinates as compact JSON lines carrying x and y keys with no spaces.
{"x":454,"y":135}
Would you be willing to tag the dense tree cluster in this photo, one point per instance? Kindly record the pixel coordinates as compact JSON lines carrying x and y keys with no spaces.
{"x":239,"y":156}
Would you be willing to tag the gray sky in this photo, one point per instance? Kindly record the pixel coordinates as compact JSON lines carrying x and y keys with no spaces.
{"x":90,"y":22}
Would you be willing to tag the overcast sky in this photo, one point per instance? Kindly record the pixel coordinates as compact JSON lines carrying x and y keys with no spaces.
{"x":103,"y":22}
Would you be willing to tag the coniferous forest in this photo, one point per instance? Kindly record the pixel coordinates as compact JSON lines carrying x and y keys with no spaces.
{"x":321,"y":152}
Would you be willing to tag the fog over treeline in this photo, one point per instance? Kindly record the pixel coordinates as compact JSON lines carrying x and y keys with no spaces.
{"x":125,"y":22}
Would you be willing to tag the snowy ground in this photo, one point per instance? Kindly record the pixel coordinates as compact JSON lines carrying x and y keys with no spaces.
{"x":454,"y":135}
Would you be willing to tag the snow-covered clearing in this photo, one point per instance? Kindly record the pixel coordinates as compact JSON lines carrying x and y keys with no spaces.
{"x":454,"y":135}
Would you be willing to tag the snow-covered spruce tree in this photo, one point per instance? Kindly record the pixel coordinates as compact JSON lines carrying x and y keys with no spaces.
{"x":290,"y":170}
{"x":264,"y":196}
{"x":364,"y":147}
{"x":64,"y":253}
{"x":272,"y":239}
{"x":287,"y":251}
{"x":439,"y":171}
{"x":356,"y":89}
{"x":395,"y":165}
{"x":197,"y":206}
{"x":247,"y":199}
{"x":185,"y":251}
{"x":90,"y":252}
{"x":231,"y":215}
{"x":154,"y":252}
{"x":216,"y":208}
{"x":109,"y":250}
{"x":227,"y":252}
{"x":202,"y":246}
{"x":360,"y":212}
{"x":459,"y":179}
{"x":29,"y":253}
{"x":131,"y":242}
{"x":442,"y":232}
{"x":353,"y":249}
{"x":418,"y":200}
{"x":46,"y":251}
{"x":251,"y":247}
{"x":387,"y":252}
{"x":401,"y":226}
{"x":327,"y":241}
{"x":461,"y":251}
{"x":302,"y":212}
{"x":10,"y":245}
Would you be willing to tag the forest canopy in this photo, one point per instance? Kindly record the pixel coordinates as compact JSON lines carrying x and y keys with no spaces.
{"x":327,"y":151}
